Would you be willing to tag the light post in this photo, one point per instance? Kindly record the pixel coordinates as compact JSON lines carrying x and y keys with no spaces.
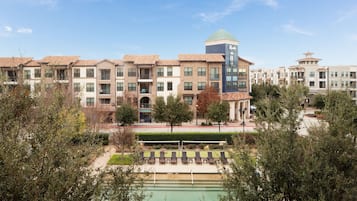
{"x":243,"y":123}
{"x":196,"y":115}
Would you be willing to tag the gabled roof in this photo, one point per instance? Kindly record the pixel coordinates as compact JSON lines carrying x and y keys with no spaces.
{"x":32,"y":63}
{"x":141,"y":59}
{"x":244,"y":60}
{"x":86,"y":63}
{"x":168,"y":63}
{"x":201,"y":57}
{"x":118,"y":62}
{"x":234,"y":96}
{"x":59,"y":60}
{"x":14,"y":61}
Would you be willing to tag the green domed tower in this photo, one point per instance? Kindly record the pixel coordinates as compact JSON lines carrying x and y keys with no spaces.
{"x":222,"y":42}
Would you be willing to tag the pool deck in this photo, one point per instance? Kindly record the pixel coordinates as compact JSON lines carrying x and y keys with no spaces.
{"x":180,"y":168}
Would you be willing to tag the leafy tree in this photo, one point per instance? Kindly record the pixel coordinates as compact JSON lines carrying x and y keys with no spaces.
{"x":207,"y":97}
{"x":318,"y":101}
{"x":173,"y":112}
{"x":39,"y":158}
{"x":320,"y":166}
{"x":126,"y":115}
{"x":262,"y":91}
{"x":217,"y":112}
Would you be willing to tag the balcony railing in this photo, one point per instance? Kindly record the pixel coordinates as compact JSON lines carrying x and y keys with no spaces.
{"x":145,"y":105}
{"x":145,"y":76}
{"x":145,"y":91}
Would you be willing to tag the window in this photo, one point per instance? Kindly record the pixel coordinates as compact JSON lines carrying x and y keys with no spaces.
{"x":160,"y":72}
{"x":104,"y":101}
{"x":214,"y":74}
{"x":131,"y":86}
{"x":312,"y":84}
{"x":160,"y":86}
{"x":169,"y":71}
{"x":242,"y":85}
{"x":104,"y":89}
{"x":322,"y":75}
{"x":201,"y":71}
{"x":188,"y":99}
{"x":188,"y":71}
{"x":76,"y":87}
{"x":215,"y":85}
{"x":169,"y":86}
{"x":37,"y":73}
{"x":322,"y":84}
{"x":76,"y":72}
{"x":90,"y":87}
{"x":120,"y":86}
{"x":201,"y":86}
{"x":48,"y":73}
{"x":27,"y":74}
{"x":187,"y":85}
{"x":120,"y":72}
{"x":37,"y":87}
{"x":120,"y":100}
{"x":105,"y":74}
{"x":132,"y":72}
{"x":90,"y":101}
{"x":243,"y":72}
{"x":312,"y":74}
{"x":90,"y":72}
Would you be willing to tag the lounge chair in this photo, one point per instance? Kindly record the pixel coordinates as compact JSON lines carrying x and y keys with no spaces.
{"x":141,"y":157}
{"x":173,"y":157}
{"x":152,"y":158}
{"x":162,"y":157}
{"x":223,"y":158}
{"x":184,"y":158}
{"x":198,"y":159}
{"x":210,"y":158}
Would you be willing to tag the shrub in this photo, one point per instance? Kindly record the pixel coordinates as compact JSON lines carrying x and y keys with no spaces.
{"x":103,"y":138}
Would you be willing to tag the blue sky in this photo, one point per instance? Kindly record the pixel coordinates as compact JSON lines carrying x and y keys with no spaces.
{"x":272,"y":33}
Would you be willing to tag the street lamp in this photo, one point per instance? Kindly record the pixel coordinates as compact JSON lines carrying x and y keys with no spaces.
{"x":196,"y":115}
{"x":243,"y":123}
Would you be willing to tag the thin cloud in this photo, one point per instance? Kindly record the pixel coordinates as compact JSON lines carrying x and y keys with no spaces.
{"x":7,"y":29}
{"x":234,"y":6}
{"x":292,"y":28}
{"x":353,"y":37}
{"x":271,"y":3}
{"x":347,"y":15}
{"x":24,"y":30}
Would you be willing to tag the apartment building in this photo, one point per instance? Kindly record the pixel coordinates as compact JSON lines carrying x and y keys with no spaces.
{"x":103,"y":85}
{"x":308,"y":72}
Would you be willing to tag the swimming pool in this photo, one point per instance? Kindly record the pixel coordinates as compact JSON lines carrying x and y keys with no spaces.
{"x":184,"y":192}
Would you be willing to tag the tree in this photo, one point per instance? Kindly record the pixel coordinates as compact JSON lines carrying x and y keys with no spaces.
{"x":262,"y":91}
{"x":173,"y":112}
{"x":318,"y":101}
{"x":320,"y":166}
{"x":44,"y":155}
{"x":217,"y":112}
{"x":207,"y":97}
{"x":126,"y":115}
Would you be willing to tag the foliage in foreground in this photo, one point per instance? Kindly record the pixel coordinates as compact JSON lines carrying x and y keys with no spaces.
{"x":320,"y":166}
{"x":39,"y":158}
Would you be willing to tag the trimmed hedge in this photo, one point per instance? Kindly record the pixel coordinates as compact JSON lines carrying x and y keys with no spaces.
{"x":193,"y":136}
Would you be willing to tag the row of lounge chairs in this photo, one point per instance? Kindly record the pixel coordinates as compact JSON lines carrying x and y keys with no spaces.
{"x":184,"y":158}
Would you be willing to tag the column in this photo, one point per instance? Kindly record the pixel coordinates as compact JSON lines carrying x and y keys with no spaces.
{"x":231,"y":110}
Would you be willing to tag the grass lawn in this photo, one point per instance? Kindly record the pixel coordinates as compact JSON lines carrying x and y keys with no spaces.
{"x":190,"y":154}
{"x":118,"y":159}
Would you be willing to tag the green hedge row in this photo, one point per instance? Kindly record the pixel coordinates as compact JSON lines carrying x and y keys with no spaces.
{"x":194,"y":137}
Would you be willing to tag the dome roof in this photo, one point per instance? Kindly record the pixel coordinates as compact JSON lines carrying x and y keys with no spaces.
{"x":221,"y":35}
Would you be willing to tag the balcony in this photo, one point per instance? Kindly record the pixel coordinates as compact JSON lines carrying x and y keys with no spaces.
{"x":145,"y":88}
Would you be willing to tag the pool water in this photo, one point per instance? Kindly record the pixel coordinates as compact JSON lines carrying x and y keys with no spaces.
{"x":184,"y":192}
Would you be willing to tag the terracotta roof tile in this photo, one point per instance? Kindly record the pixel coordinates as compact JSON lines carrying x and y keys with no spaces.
{"x":168,"y":63}
{"x":59,"y":60}
{"x":86,"y":63}
{"x":236,"y":96}
{"x":244,"y":60}
{"x":118,"y":62}
{"x":141,"y":59}
{"x":33,"y":63}
{"x":201,"y":57}
{"x":13,"y":61}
